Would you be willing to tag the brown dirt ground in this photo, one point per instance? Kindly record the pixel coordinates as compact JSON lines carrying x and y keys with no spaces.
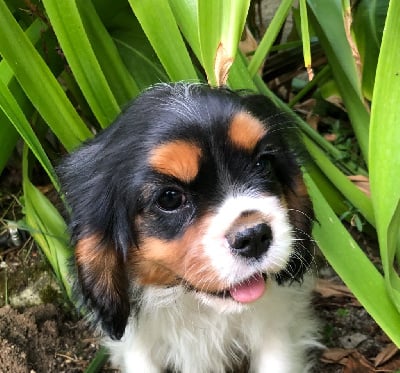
{"x":42,"y":339}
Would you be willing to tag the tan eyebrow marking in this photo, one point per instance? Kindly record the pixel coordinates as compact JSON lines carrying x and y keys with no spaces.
{"x":245,"y":131}
{"x":179,"y":158}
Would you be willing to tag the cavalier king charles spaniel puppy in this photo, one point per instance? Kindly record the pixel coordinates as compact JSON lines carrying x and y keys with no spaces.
{"x":192,"y":231}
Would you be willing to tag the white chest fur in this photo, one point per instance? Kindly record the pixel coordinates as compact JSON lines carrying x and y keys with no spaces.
{"x":175,"y":329}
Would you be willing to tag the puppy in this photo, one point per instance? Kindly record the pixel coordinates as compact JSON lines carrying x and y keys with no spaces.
{"x":192,"y":224}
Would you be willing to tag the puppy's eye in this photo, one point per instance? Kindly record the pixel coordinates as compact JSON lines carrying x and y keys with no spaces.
{"x":171,"y":200}
{"x":263,"y":163}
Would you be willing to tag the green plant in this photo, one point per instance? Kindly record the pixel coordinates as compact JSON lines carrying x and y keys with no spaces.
{"x":70,"y":66}
{"x":342,"y":312}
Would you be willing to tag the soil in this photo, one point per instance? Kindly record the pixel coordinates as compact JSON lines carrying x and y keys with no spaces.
{"x":43,"y":339}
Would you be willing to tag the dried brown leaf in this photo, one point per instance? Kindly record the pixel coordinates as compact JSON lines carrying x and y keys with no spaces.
{"x":248,"y":44}
{"x":362,"y":183}
{"x":328,"y":288}
{"x":352,"y":360}
{"x":331,"y":137}
{"x":222,"y":64}
{"x":391,"y":367}
{"x":386,"y":354}
{"x":357,"y":363}
{"x":313,"y":121}
{"x":335,"y":356}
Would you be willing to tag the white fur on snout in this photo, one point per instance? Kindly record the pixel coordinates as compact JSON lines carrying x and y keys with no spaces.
{"x":233,"y":268}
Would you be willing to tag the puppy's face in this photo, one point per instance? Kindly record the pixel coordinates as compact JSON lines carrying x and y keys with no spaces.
{"x":213,"y":215}
{"x":192,"y":187}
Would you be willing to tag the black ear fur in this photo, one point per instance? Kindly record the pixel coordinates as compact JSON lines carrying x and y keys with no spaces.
{"x":101,"y":232}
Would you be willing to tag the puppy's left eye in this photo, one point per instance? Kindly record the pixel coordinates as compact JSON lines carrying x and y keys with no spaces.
{"x":171,"y":199}
{"x":263,"y":163}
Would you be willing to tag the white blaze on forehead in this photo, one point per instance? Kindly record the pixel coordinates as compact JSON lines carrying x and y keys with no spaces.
{"x":233,"y":268}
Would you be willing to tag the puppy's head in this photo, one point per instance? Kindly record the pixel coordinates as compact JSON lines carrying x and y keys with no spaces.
{"x":194,"y":187}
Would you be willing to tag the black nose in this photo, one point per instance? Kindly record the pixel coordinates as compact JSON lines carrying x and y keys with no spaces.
{"x":251,"y":242}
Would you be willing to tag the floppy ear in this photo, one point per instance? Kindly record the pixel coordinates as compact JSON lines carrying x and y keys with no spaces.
{"x":104,"y":284}
{"x":100,"y":231}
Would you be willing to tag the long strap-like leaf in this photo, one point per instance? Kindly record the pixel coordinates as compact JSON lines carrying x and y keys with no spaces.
{"x":11,"y":109}
{"x":39,"y":83}
{"x":384,"y":150}
{"x":328,"y":22}
{"x":47,"y":227}
{"x":159,"y":24}
{"x":67,"y":23}
{"x":353,"y":266}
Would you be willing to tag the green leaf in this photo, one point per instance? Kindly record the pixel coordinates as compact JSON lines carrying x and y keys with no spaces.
{"x":30,"y":69}
{"x":328,"y":22}
{"x":220,"y":24}
{"x":353,"y":266}
{"x":118,"y":77}
{"x":136,"y":51}
{"x":384,"y":149}
{"x":357,"y":198}
{"x":320,"y":77}
{"x":333,"y":196}
{"x":8,"y":139}
{"x":68,"y":26}
{"x":13,"y":104}
{"x":47,"y":227}
{"x":334,"y":154}
{"x":187,"y":19}
{"x":305,"y":37}
{"x":239,"y":77}
{"x":8,"y":134}
{"x":160,"y":26}
{"x":368,"y":22}
{"x":185,"y":13}
{"x":10,"y":108}
{"x":146,"y":71}
{"x":270,"y":36}
{"x":100,"y":359}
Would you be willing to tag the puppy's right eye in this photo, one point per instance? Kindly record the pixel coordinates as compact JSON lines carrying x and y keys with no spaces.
{"x":263,"y":164}
{"x":171,"y":200}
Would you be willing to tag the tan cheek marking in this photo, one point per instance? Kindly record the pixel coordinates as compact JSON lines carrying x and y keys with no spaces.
{"x":294,"y":197}
{"x":246,"y":131}
{"x":159,"y":262}
{"x":299,"y":205}
{"x":154,"y":262}
{"x":179,"y":159}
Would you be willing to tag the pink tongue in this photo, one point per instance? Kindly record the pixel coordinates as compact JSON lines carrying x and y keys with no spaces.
{"x":250,"y":290}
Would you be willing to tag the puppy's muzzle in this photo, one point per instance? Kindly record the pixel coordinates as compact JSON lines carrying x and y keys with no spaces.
{"x":250,"y":241}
